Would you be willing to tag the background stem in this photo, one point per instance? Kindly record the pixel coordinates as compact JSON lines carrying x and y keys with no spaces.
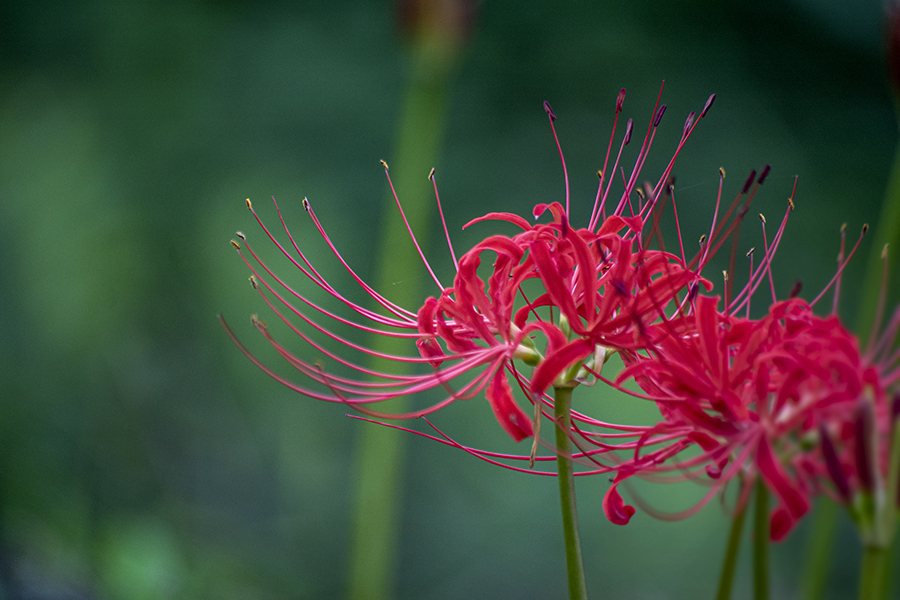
{"x":871,"y":573}
{"x":819,"y":549}
{"x":574,"y":564}
{"x":380,"y":450}
{"x":761,"y":543}
{"x":726,"y":579}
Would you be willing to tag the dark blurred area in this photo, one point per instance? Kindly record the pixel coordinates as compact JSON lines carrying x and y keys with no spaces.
{"x":144,"y":457}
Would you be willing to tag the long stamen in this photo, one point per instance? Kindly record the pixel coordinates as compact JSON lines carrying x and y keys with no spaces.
{"x":762,"y":220}
{"x":552,"y":118}
{"x":408,"y":228}
{"x":840,"y":260}
{"x":712,"y":226}
{"x":620,"y":100}
{"x":750,"y":256}
{"x":601,"y":211}
{"x":882,"y":293}
{"x":862,"y":234}
{"x":443,"y":222}
{"x":391,"y":306}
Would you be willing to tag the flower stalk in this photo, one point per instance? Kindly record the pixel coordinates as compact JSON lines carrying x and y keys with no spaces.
{"x":726,"y":579}
{"x":435,"y":49}
{"x":562,"y":409}
{"x":761,"y":543}
{"x":872,"y":572}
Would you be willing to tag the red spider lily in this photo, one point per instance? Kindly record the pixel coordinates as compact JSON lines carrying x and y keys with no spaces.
{"x":600,"y":289}
{"x":788,"y":398}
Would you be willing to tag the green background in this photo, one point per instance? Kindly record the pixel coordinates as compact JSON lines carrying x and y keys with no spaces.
{"x":144,"y":457}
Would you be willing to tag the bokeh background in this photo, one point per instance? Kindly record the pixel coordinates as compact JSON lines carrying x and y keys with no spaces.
{"x":144,"y":457}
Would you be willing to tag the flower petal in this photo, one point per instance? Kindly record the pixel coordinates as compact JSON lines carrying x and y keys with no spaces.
{"x":510,"y":416}
{"x":614,"y":506}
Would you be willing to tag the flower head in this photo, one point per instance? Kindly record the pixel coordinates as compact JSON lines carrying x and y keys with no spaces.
{"x":789,"y":398}
{"x":555,"y":297}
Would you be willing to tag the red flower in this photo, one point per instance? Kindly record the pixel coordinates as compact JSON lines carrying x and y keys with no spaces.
{"x":788,"y":398}
{"x":578,"y":291}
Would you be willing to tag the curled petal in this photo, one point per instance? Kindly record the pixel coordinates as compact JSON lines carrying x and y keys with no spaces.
{"x":430,"y":349}
{"x":792,"y":498}
{"x":425,"y":316}
{"x":614,"y":506}
{"x":557,"y":362}
{"x":780,"y":524}
{"x":511,"y":417}
{"x":555,"y":209}
{"x":498,"y":216}
{"x":615,"y":223}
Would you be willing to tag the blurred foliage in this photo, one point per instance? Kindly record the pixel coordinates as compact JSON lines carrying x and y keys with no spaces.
{"x":144,"y":457}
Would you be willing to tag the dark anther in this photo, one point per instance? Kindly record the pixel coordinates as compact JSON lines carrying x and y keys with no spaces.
{"x":620,"y":100}
{"x":659,"y":115}
{"x":549,"y":111}
{"x":708,"y":105}
{"x":693,"y":289}
{"x":749,"y":181}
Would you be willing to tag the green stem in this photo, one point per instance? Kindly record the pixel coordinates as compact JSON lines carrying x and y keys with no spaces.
{"x":726,"y":579}
{"x":574,"y":565}
{"x":819,"y":549}
{"x":380,"y":450}
{"x":761,"y":543}
{"x":872,"y":572}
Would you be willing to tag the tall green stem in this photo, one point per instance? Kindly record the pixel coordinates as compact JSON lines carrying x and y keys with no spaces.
{"x":819,"y":548}
{"x":761,"y":543}
{"x":380,"y":451}
{"x":574,"y":564}
{"x":872,"y":571}
{"x":726,"y":579}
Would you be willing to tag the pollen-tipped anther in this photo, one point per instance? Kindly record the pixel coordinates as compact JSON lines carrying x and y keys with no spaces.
{"x":235,"y":245}
{"x":722,"y":172}
{"x":305,"y":204}
{"x":884,"y":252}
{"x":750,"y":252}
{"x":253,"y":282}
{"x":258,"y":323}
{"x":549,"y":111}
{"x":708,"y":105}
{"x":384,"y":164}
{"x":241,"y":235}
{"x":249,"y":205}
{"x":865,"y":228}
{"x":762,"y":218}
{"x":791,"y":203}
{"x":431,"y":174}
{"x":702,"y":239}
